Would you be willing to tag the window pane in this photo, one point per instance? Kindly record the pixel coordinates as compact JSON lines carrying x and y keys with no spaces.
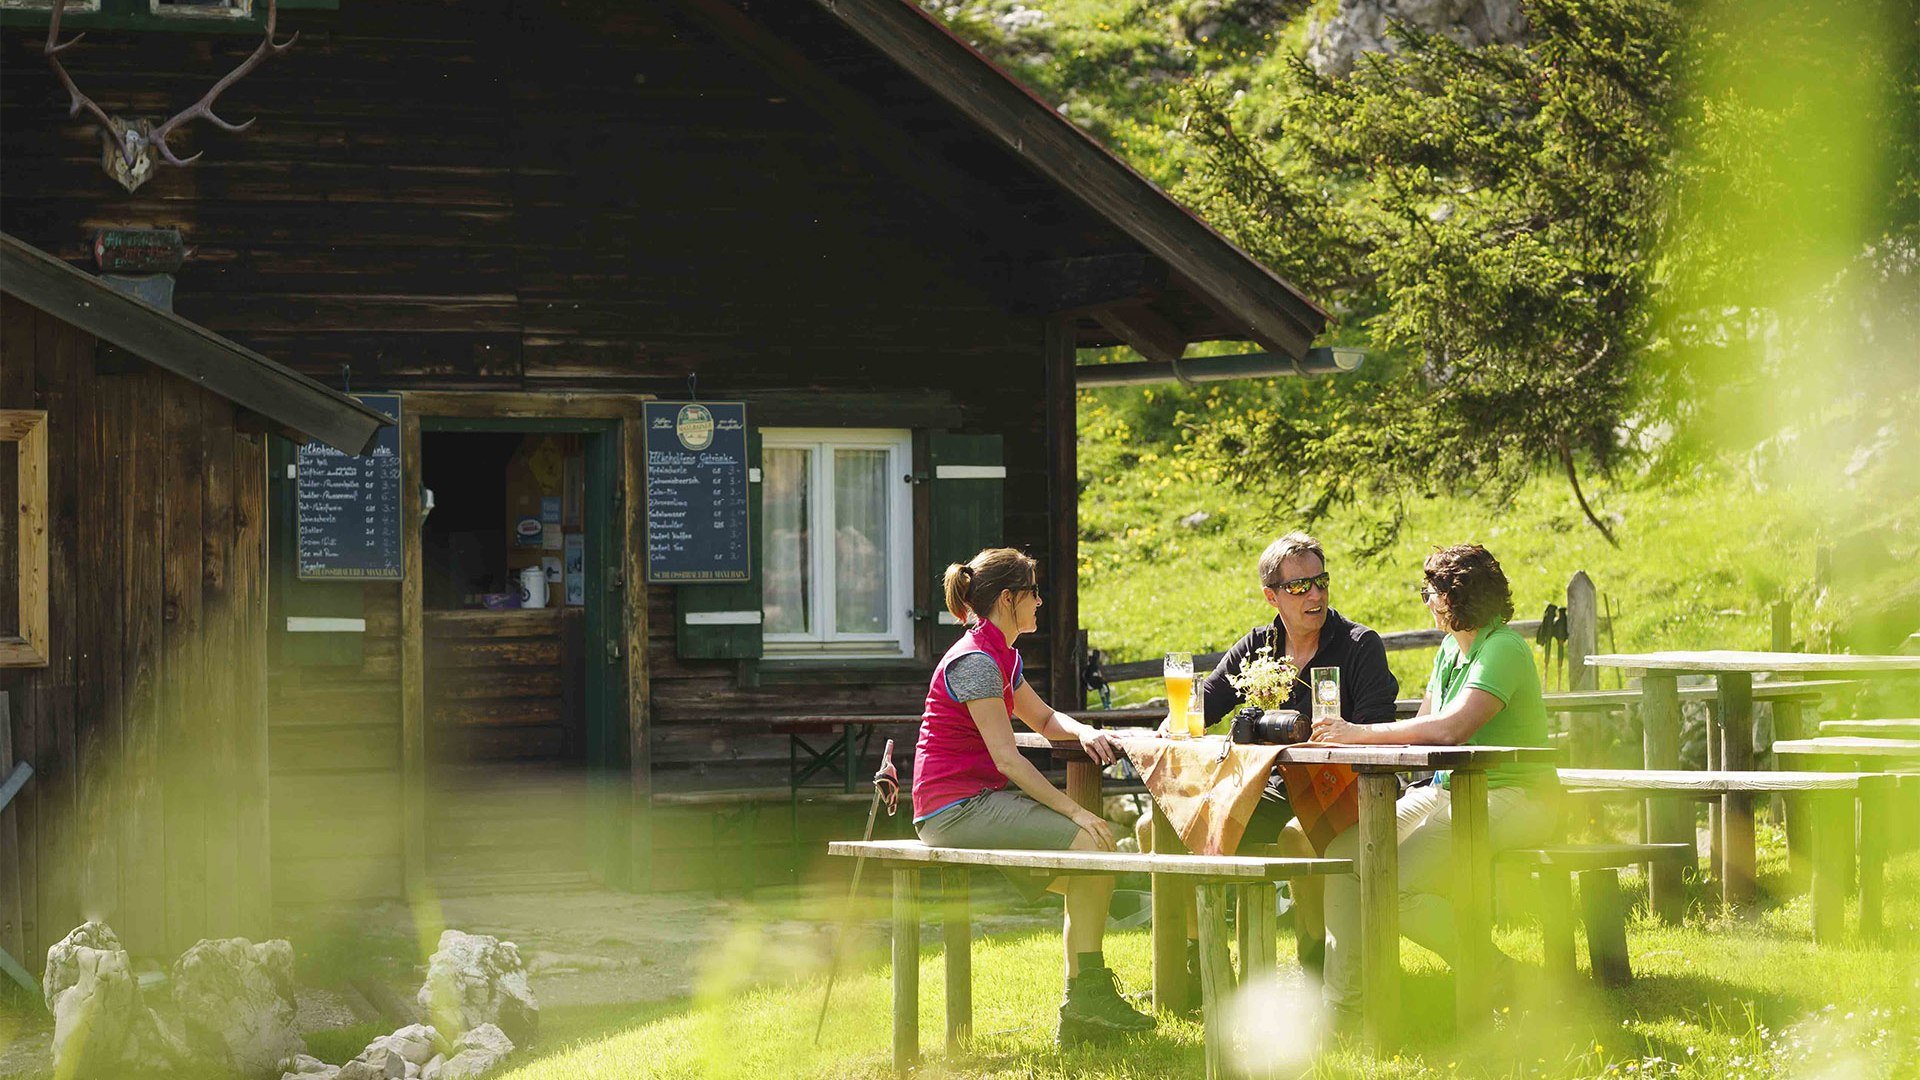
{"x":785,"y":545}
{"x":861,"y":561}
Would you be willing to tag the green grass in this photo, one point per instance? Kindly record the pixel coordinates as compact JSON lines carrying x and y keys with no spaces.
{"x":1712,"y":998}
{"x":1698,"y":557}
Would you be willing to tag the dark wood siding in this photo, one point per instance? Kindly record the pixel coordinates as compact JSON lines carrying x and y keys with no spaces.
{"x":602,"y":197}
{"x":146,"y":730}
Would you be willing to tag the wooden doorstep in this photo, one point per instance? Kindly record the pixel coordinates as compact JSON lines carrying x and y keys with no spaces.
{"x":1203,"y":867}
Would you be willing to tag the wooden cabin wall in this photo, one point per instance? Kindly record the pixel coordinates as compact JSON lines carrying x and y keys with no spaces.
{"x":597,"y":197}
{"x":146,"y":730}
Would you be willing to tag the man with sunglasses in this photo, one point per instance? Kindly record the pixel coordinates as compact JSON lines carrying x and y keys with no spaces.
{"x":1309,"y":632}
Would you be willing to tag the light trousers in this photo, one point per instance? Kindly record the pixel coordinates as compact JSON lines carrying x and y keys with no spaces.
{"x":1516,"y":817}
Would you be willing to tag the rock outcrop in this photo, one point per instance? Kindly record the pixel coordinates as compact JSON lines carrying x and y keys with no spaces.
{"x":1364,"y":26}
{"x":235,"y":1002}
{"x":474,"y":979}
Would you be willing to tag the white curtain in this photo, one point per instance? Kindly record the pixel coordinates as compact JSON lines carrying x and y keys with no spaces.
{"x":860,"y":555}
{"x":786,"y":543}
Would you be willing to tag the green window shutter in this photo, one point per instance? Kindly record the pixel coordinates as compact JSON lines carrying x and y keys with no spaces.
{"x":969,"y":475}
{"x":722,"y":622}
{"x":301,"y":610}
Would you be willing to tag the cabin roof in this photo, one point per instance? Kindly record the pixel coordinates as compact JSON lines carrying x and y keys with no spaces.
{"x":187,"y":349}
{"x":1209,"y":288}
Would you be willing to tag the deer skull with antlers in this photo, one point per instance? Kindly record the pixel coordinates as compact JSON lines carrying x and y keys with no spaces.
{"x":132,"y":148}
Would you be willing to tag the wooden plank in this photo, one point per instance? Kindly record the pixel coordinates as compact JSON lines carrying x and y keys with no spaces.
{"x":413,"y":706}
{"x":1736,"y":808}
{"x":1660,"y":730}
{"x":1688,"y":782}
{"x":1150,"y":333}
{"x":143,"y":840}
{"x":190,"y":351}
{"x":247,"y":573}
{"x":1877,"y":807}
{"x":1576,"y":857}
{"x":1258,"y":938}
{"x":1171,"y":901}
{"x":1869,"y":729}
{"x":1832,"y":828}
{"x":1379,"y":873}
{"x":1063,"y":511}
{"x":1710,"y":661}
{"x":906,"y":969}
{"x":12,"y":939}
{"x":638,"y":658}
{"x":219,"y":709}
{"x":184,"y":684}
{"x":1848,"y":746}
{"x":1221,"y":867}
{"x":1556,"y":922}
{"x":1605,"y":912}
{"x":1216,"y":978}
{"x":957,"y":932}
{"x":58,"y":757}
{"x":1472,"y":901}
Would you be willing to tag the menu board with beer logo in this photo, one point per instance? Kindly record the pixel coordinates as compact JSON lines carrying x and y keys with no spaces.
{"x":697,"y":511}
{"x":349,"y":506}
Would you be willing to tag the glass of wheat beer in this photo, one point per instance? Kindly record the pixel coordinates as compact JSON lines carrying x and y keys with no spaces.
{"x":1179,"y":673}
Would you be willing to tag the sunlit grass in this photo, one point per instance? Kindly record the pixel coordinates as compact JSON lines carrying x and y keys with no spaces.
{"x":1715,"y":997}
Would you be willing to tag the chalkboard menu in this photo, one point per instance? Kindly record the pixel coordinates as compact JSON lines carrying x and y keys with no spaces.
{"x":350,"y":506}
{"x":697,"y":520}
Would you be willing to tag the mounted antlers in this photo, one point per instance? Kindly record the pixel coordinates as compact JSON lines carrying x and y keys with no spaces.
{"x":136,"y":141}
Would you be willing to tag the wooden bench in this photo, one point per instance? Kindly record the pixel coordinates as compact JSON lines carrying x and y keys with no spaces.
{"x":1824,"y":799}
{"x":1872,"y":729}
{"x":1601,"y":907}
{"x":1252,"y":878}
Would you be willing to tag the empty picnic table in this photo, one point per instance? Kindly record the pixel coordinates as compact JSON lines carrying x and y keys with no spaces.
{"x":1733,"y":672}
{"x":1378,"y":868}
{"x":841,"y":751}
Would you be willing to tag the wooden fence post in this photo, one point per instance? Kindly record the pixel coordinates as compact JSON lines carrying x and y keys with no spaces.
{"x":1583,"y":640}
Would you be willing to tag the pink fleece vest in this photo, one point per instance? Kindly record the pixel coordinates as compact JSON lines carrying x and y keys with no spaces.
{"x":951,"y":761}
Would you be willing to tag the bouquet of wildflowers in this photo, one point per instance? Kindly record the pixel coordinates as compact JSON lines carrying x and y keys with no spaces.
{"x":1265,"y":680}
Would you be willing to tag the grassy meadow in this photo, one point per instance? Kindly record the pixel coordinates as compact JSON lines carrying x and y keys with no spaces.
{"x":1712,"y":998}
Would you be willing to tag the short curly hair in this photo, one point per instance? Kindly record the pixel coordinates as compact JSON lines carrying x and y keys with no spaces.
{"x":1475,"y":587}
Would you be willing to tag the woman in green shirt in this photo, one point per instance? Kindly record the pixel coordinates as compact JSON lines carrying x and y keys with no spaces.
{"x":1484,"y":689}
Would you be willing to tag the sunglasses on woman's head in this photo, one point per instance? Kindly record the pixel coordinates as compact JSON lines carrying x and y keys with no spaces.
{"x":1300,"y":586}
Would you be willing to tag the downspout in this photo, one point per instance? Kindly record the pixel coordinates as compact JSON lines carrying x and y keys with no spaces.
{"x":1260,"y":365}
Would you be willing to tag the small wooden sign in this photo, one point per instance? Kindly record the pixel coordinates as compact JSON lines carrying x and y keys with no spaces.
{"x":139,"y":251}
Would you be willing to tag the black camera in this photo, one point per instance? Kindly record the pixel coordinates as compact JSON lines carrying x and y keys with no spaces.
{"x":1281,"y":727}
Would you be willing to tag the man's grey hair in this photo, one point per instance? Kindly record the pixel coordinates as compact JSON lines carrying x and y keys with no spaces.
{"x":1294,"y":543}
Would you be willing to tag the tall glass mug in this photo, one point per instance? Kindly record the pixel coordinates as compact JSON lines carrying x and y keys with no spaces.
{"x":1197,"y":712}
{"x":1326,"y":692}
{"x":1179,"y":672}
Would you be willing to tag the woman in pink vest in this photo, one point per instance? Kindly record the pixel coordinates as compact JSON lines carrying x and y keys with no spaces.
{"x":971,"y":787}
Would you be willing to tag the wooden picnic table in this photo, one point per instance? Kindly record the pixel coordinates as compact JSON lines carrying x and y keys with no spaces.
{"x":1733,"y":672}
{"x":1872,"y":729}
{"x":1378,"y":866}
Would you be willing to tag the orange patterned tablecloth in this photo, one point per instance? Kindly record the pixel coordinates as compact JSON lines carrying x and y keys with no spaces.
{"x":1208,"y":796}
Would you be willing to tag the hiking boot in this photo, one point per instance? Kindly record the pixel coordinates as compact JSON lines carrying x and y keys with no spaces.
{"x":1094,"y":1010}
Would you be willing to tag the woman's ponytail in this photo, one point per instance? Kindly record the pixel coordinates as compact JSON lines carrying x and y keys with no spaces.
{"x":975,"y":585}
{"x":958,"y":584}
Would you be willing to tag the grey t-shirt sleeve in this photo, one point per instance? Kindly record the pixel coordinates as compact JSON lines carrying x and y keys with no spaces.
{"x":974,"y":676}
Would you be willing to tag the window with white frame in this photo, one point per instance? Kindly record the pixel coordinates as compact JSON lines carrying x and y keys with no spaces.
{"x":836,"y":532}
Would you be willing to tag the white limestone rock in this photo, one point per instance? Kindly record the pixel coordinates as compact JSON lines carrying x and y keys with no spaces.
{"x":235,"y":1000}
{"x":101,"y":1025}
{"x":307,"y":1067}
{"x":475,"y":1053}
{"x":475,"y":979}
{"x":1364,"y":26}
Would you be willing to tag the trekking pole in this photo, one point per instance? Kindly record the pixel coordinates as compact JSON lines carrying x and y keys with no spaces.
{"x":886,"y":789}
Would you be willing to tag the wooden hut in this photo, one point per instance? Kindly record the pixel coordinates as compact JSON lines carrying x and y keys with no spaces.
{"x":134,"y":675}
{"x":527,"y":220}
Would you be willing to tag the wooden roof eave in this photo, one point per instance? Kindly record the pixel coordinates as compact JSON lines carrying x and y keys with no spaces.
{"x":1243,"y":291}
{"x":187,"y":349}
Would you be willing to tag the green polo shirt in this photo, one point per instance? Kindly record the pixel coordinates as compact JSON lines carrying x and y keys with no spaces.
{"x":1500,"y":662}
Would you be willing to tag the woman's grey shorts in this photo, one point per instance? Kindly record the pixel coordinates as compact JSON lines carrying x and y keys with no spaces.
{"x":1003,"y":819}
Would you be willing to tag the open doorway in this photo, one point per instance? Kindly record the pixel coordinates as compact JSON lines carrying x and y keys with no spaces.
{"x":511,"y":692}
